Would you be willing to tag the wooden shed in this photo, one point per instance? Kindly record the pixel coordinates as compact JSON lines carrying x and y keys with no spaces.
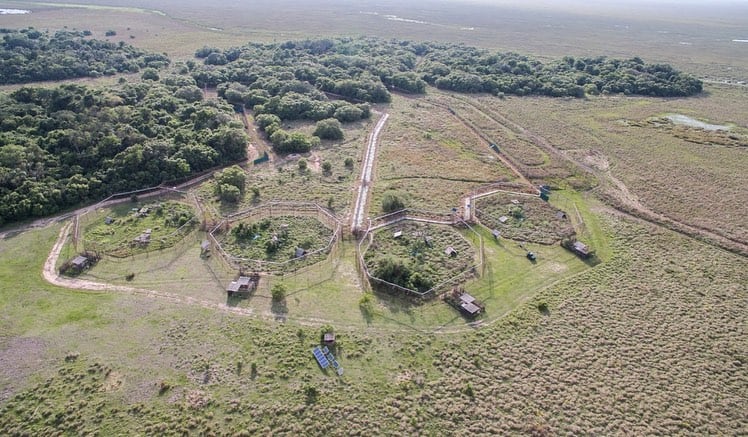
{"x":328,"y":337}
{"x":79,"y":263}
{"x":242,"y":286}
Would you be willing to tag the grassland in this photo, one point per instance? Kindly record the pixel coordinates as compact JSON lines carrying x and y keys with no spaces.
{"x":611,"y":345}
{"x":431,"y":158}
{"x":653,"y":163}
{"x":526,"y":218}
{"x":650,"y":341}
{"x":113,"y":230}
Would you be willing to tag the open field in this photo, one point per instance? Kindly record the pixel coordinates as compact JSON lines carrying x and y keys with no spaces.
{"x":656,"y":166}
{"x":194,"y":368}
{"x":648,"y":339}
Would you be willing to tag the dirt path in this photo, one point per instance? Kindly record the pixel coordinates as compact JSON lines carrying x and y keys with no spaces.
{"x":619,"y":195}
{"x":315,"y":162}
{"x":367,"y":167}
{"x":502,"y":157}
{"x":49,"y":273}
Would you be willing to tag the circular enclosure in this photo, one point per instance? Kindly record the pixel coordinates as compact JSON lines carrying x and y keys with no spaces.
{"x":419,"y":258}
{"x":276,"y":237}
{"x":524,"y":218}
{"x":130,"y":228}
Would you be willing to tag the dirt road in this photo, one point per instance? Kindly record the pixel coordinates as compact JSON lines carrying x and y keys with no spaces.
{"x":362,"y":197}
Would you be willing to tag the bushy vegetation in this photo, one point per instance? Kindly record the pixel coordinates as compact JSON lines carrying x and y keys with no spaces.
{"x":275,"y":239}
{"x":470,"y":70}
{"x":417,"y":259}
{"x":66,"y":145}
{"x":391,"y":202}
{"x":328,"y":129}
{"x":30,"y":55}
{"x":290,"y":79}
{"x":230,"y":183}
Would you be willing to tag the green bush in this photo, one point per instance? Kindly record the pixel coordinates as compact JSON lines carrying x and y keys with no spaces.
{"x":329,"y":129}
{"x":278,"y":292}
{"x":392,"y":203}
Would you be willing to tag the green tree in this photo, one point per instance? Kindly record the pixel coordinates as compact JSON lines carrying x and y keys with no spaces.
{"x":326,"y":167}
{"x":150,"y":74}
{"x":229,"y":193}
{"x":391,"y":203}
{"x":233,"y":175}
{"x":328,"y":129}
{"x":278,"y":292}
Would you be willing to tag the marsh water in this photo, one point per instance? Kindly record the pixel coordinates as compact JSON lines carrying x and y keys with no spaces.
{"x":692,"y":122}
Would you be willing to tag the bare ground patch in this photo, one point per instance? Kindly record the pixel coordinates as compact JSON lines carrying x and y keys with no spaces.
{"x":19,"y":358}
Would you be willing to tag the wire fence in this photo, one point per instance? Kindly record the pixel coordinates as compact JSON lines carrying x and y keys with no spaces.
{"x":369,"y":280}
{"x":276,"y":209}
{"x":97,"y":214}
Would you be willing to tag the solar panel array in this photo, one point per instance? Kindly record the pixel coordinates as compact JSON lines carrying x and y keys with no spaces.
{"x":325,"y":358}
{"x":321,"y":358}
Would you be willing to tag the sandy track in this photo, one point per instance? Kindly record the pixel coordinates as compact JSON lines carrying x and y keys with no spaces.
{"x":366,"y":174}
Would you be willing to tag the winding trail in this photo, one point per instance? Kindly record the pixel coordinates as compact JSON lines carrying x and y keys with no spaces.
{"x":362,"y":197}
{"x":49,"y":273}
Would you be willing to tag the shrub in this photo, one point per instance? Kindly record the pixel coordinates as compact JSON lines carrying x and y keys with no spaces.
{"x":229,"y":193}
{"x":265,"y":120}
{"x":329,"y":129}
{"x":392,"y":203}
{"x":311,"y":392}
{"x":278,"y":292}
{"x":150,"y":74}
{"x":543,"y":307}
{"x":366,"y":305}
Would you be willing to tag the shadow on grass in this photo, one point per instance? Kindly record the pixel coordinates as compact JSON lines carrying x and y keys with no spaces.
{"x":592,"y":261}
{"x":233,"y":301}
{"x":279,"y":309}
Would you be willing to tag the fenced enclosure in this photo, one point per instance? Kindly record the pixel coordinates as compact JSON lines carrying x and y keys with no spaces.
{"x":275,"y":210}
{"x":390,"y":221}
{"x":137,"y":222}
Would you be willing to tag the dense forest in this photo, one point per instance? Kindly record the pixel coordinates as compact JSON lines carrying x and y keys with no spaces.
{"x":264,"y":76}
{"x":29,"y":55}
{"x":63,"y":146}
{"x":71,"y":144}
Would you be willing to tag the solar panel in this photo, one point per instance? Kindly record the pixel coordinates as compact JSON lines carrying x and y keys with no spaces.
{"x":321,"y":359}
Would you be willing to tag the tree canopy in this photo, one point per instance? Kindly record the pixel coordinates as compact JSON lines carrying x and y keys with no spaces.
{"x":30,"y":55}
{"x":70,"y":144}
{"x":365,"y":69}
